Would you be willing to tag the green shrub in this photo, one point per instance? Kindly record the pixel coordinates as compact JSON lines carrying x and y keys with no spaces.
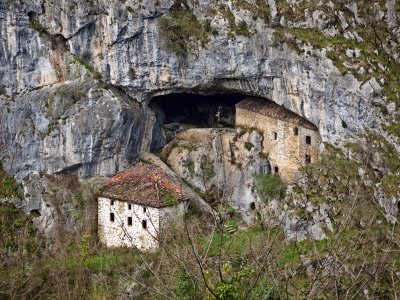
{"x":242,"y":29}
{"x":180,"y":27}
{"x":391,"y":184}
{"x":185,"y":288}
{"x":248,"y":146}
{"x":270,"y":186}
{"x":97,"y":75}
{"x":35,"y":25}
{"x":17,"y":234}
{"x":297,"y":190}
{"x":8,"y":185}
{"x":393,"y":129}
{"x":170,"y":199}
{"x":265,"y":291}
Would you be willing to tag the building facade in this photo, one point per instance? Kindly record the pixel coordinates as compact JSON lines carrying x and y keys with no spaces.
{"x":137,"y":205}
{"x":289,"y":141}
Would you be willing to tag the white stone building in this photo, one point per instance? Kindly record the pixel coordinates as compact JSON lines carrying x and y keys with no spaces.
{"x":137,"y":205}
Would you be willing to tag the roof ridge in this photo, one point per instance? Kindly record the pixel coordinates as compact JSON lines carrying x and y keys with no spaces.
{"x":272,"y":109}
{"x":145,"y":184}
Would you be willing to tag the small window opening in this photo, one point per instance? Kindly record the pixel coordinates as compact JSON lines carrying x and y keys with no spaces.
{"x":296,"y":131}
{"x":112,"y":202}
{"x":130,"y":206}
{"x":252,"y":206}
{"x":308,"y":159}
{"x":275,"y":136}
{"x":276,"y":169}
{"x":308,"y":139}
{"x":112,"y":218}
{"x":144,"y":224}
{"x":129,"y":221}
{"x":144,"y":209}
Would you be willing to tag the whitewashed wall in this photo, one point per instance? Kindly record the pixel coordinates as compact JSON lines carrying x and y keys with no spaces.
{"x":118,"y":233}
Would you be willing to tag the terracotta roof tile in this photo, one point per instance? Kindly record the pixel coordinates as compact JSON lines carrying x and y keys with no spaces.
{"x":145,"y":184}
{"x":271,"y":109}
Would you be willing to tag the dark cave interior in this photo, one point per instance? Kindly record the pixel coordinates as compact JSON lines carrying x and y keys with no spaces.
{"x":181,"y":111}
{"x":194,"y":110}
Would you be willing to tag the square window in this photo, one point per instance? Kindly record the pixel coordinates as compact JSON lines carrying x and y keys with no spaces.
{"x":129,"y":221}
{"x":144,"y":224}
{"x":276,"y":169}
{"x":308,"y":139}
{"x":112,"y":218}
{"x":130,"y":206}
{"x":308,"y":159}
{"x":296,"y":131}
{"x":112,"y":202}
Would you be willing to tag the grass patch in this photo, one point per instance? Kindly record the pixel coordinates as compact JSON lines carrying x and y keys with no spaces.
{"x":234,"y":29}
{"x":292,"y":252}
{"x":391,"y":184}
{"x":35,"y":25}
{"x":270,"y":186}
{"x":181,"y":30}
{"x":233,"y":243}
{"x":8,"y":185}
{"x":97,"y":75}
{"x":394,"y":129}
{"x":168,"y":198}
{"x":259,"y":9}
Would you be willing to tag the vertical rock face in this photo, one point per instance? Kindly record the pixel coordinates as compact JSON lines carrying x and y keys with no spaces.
{"x":76,"y":127}
{"x":76,"y":78}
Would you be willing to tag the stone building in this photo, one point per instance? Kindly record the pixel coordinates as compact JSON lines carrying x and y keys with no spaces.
{"x":289,"y":141}
{"x":137,"y":205}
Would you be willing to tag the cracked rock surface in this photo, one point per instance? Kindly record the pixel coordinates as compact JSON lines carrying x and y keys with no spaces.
{"x":76,"y":78}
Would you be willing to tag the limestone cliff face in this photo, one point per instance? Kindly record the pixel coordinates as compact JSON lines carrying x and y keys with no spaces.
{"x":76,"y":78}
{"x":220,"y":163}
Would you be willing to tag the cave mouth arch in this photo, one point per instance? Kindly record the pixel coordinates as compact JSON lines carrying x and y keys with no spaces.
{"x":177,"y":112}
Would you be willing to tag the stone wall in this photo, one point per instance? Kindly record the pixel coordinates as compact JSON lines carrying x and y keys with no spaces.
{"x":119,"y":233}
{"x":172,"y":214}
{"x":284,"y":149}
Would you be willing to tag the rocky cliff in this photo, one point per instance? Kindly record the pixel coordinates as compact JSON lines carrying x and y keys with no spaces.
{"x":77,"y":76}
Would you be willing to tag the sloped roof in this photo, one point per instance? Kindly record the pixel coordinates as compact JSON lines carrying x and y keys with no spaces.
{"x":271,"y":109}
{"x":145,"y":184}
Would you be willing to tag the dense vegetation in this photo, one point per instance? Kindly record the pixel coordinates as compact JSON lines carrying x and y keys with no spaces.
{"x":205,"y":259}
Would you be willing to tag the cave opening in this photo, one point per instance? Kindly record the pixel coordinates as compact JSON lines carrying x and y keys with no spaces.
{"x":177,"y":112}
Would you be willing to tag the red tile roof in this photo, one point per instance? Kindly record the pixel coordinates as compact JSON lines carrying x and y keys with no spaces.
{"x":271,"y":109}
{"x":145,"y":184}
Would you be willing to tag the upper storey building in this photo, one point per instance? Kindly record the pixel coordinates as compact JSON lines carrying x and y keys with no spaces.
{"x":290,"y":141}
